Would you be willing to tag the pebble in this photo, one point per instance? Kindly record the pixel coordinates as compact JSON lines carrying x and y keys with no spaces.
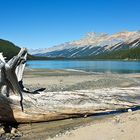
{"x":13,"y":130}
{"x":129,"y":110}
{"x":10,"y":135}
{"x":117,"y":119}
{"x":85,"y":116}
{"x":1,"y":131}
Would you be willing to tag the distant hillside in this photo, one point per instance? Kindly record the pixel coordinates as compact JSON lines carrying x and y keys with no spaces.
{"x":130,"y":54}
{"x":95,"y":45}
{"x":9,"y":49}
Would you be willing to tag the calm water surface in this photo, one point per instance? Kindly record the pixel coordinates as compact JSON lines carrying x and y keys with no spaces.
{"x":90,"y":66}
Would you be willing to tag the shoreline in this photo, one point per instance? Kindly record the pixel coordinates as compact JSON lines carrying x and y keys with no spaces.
{"x":82,"y":59}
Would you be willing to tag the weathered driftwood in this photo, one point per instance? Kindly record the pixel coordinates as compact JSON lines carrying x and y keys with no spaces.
{"x":11,"y":74}
{"x":54,"y":105}
{"x":66,"y":104}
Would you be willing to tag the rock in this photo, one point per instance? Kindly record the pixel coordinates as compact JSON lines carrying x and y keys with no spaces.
{"x":1,"y":131}
{"x":8,"y":135}
{"x":14,"y":131}
{"x":117,"y":119}
{"x":18,"y":134}
{"x":129,"y":110}
{"x":67,"y":133}
{"x":85,"y":116}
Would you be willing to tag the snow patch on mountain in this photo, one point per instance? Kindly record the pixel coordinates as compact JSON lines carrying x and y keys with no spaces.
{"x":92,"y":43}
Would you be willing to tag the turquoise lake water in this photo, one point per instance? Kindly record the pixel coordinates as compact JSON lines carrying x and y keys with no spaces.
{"x":90,"y":66}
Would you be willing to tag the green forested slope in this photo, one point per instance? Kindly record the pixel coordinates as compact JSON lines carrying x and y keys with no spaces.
{"x":121,"y":54}
{"x":8,"y":48}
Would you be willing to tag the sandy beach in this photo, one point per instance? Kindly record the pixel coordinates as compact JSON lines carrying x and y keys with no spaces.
{"x":120,"y":127}
{"x":111,"y":127}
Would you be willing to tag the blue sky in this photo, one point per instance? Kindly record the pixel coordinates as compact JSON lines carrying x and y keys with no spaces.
{"x":44,"y":23}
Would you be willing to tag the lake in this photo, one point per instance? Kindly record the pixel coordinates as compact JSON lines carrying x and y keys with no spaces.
{"x":89,"y":66}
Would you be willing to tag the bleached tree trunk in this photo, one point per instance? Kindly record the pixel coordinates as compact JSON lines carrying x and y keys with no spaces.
{"x":11,"y":73}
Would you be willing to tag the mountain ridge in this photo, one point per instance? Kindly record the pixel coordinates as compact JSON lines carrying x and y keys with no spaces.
{"x":93,"y":44}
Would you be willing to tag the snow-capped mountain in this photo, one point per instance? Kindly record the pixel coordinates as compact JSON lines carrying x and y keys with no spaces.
{"x":93,"y":44}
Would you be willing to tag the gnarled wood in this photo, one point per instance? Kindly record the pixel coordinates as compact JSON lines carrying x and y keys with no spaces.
{"x":9,"y":77}
{"x":66,"y":104}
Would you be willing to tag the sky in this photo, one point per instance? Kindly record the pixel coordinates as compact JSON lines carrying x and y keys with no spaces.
{"x":45,"y":23}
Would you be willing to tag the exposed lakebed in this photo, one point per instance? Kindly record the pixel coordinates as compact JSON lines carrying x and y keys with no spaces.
{"x":71,"y":81}
{"x":98,"y":87}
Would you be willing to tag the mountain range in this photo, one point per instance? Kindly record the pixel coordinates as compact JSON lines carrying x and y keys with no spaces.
{"x":94,"y":45}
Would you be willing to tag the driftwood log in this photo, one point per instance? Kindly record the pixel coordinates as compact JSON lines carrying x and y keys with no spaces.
{"x":17,"y":104}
